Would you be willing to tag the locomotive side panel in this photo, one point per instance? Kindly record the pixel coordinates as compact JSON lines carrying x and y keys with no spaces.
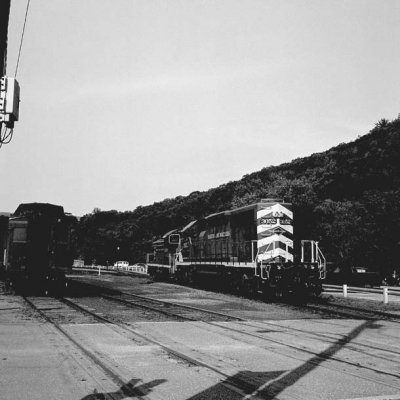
{"x":215,"y":239}
{"x":225,"y":237}
{"x":243,"y":235}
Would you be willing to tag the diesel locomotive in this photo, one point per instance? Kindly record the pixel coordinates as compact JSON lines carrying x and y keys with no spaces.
{"x":248,"y":249}
{"x":37,"y":248}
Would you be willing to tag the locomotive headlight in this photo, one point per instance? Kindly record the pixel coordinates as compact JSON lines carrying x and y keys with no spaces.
{"x":278,"y":267}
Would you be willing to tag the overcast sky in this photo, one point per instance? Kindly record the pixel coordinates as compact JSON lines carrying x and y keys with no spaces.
{"x":128,"y":102}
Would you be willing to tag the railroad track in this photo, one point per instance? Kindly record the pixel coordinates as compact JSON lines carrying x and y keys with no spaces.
{"x":238,"y":329}
{"x":178,"y":311}
{"x":317,"y":358}
{"x":239,"y":323}
{"x":241,"y":386}
{"x":46,"y":309}
{"x":185,"y":312}
{"x":347,"y":311}
{"x":350,"y":313}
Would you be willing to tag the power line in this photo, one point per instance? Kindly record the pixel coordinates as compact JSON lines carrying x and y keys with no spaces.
{"x":22,"y":38}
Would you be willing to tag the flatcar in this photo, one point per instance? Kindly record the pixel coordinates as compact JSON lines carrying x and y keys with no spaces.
{"x":249,"y":249}
{"x":38,"y":251}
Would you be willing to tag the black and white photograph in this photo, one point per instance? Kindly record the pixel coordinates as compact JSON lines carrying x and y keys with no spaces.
{"x":200,"y":200}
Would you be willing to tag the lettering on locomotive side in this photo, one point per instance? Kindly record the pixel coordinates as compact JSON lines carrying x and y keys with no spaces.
{"x":218,"y":235}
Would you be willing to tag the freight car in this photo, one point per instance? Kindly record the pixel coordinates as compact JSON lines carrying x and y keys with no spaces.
{"x":249,"y":249}
{"x":38,"y":250}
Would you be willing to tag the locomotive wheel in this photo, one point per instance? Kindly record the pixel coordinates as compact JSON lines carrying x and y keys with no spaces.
{"x":317,"y":290}
{"x":190,"y":277}
{"x":268,"y":293}
{"x":8,"y":284}
{"x":186,"y":277}
{"x":278,"y":292}
{"x":246,"y":286}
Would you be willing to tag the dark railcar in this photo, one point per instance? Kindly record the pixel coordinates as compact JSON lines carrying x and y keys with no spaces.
{"x":38,"y":253}
{"x":3,"y":241}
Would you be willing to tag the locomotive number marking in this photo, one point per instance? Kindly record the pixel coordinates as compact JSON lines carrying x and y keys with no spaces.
{"x":268,"y":221}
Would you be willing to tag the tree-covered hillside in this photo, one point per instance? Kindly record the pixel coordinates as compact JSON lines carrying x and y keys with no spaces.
{"x":348,"y":198}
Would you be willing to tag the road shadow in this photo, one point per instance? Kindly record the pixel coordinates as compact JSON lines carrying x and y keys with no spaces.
{"x":247,"y":381}
{"x":268,"y":385}
{"x":128,"y":390}
{"x":261,"y":385}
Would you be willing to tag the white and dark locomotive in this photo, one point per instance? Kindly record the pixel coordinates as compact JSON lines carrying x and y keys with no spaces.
{"x":250,"y":249}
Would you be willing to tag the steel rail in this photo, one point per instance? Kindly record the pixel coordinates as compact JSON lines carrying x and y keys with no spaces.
{"x":268,"y":339}
{"x":338,"y":309}
{"x":327,"y":338}
{"x":96,"y":360}
{"x":321,"y":356}
{"x":314,"y":361}
{"x":310,"y":352}
{"x":167,"y":303}
{"x":161,"y":302}
{"x":235,"y":384}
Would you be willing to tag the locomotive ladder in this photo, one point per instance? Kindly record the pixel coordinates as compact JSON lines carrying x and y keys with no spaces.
{"x":315,"y":256}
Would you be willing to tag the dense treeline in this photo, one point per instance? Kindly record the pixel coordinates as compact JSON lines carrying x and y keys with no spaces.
{"x":348,"y":198}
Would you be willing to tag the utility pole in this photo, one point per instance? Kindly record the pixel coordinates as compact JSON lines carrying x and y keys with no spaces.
{"x":4,"y":17}
{"x":9,"y":87}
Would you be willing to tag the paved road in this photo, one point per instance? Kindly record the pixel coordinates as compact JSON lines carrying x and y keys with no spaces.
{"x":282,"y":352}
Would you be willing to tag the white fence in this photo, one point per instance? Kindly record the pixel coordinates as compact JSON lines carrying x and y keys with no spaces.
{"x":382,"y":292}
{"x":140,"y":269}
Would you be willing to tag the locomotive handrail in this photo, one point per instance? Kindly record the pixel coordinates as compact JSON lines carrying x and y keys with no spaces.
{"x":255,"y":259}
{"x":267,"y":271}
{"x":255,"y":269}
{"x":316,"y":256}
{"x":322,"y":264}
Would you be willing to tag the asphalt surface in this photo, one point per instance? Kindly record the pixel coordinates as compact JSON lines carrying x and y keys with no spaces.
{"x":282,"y":351}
